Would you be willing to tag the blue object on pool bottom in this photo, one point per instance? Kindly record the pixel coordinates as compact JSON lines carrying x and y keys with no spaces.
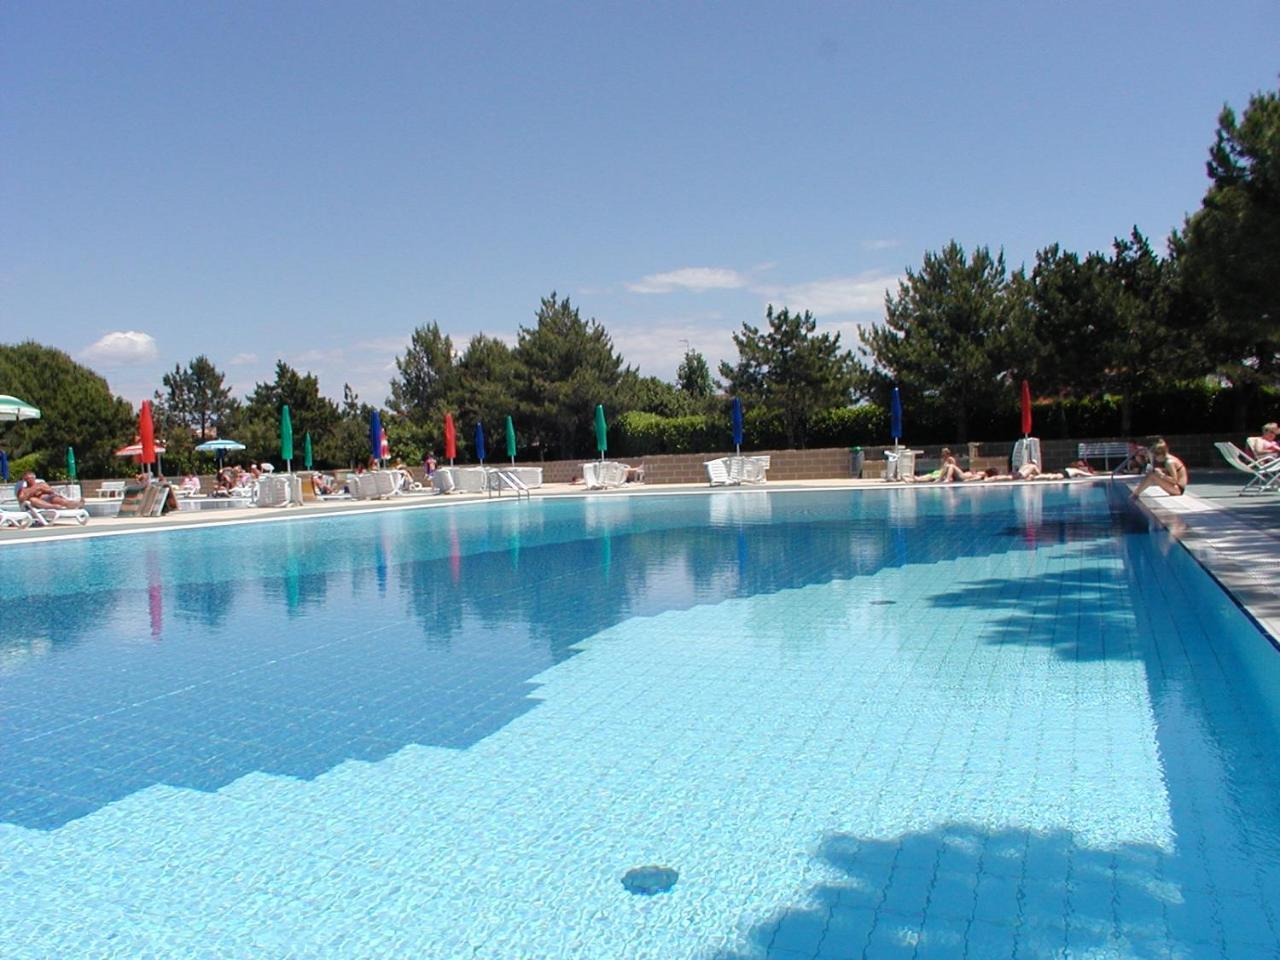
{"x":650,"y":880}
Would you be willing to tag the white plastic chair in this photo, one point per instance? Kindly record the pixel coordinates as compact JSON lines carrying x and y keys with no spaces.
{"x":1264,"y":474}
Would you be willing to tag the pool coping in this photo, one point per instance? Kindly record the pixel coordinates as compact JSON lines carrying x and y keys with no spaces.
{"x":1243,"y":557}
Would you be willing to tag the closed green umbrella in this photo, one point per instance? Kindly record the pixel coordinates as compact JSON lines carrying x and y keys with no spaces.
{"x":71,"y":463}
{"x":286,"y":438}
{"x":511,"y":440}
{"x":602,"y":432}
{"x":306,"y":450}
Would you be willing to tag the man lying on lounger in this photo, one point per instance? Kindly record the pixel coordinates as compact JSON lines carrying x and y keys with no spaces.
{"x":36,"y":493}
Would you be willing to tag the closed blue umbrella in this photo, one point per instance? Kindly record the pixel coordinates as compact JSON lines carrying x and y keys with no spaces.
{"x":736,"y":414}
{"x":895,"y":416}
{"x":480,"y":441}
{"x":375,"y":434}
{"x":4,"y":466}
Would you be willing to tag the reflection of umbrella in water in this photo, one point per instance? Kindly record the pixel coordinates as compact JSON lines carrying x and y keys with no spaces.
{"x":219,"y":447}
{"x":11,"y":408}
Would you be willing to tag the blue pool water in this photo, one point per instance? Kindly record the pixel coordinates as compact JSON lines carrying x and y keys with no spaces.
{"x":913,"y":723}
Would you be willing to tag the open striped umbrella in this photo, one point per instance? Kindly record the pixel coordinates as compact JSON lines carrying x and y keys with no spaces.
{"x":11,"y":408}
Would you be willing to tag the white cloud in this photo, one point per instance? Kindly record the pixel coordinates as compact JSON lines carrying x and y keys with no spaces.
{"x":696,"y":279}
{"x":243,"y":360}
{"x":122,"y":347}
{"x":880,"y":244}
{"x":657,"y":348}
{"x":834,"y":296}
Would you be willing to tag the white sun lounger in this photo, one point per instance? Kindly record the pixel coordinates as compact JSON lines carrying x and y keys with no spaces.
{"x":15,"y":518}
{"x":1264,"y":473}
{"x":45,"y":516}
{"x":718,"y":473}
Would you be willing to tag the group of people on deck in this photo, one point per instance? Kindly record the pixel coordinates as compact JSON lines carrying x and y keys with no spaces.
{"x":1158,"y":467}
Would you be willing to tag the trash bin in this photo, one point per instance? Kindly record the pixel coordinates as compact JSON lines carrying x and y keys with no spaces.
{"x":857,"y":460}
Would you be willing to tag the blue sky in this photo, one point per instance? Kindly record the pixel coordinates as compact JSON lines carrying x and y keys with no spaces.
{"x":310,"y":182}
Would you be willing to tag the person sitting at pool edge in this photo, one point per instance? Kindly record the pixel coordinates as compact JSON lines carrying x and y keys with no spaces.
{"x":38,"y":494}
{"x":1167,"y":472}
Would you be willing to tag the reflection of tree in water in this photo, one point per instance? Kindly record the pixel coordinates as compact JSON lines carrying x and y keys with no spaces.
{"x":962,"y":891}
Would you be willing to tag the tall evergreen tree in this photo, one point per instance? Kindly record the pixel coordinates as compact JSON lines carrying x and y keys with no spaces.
{"x":790,"y":369}
{"x":567,"y":365}
{"x":1226,"y":251}
{"x":946,"y":333}
{"x":427,"y":377}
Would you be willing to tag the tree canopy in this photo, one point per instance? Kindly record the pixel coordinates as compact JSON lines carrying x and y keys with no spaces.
{"x":790,"y":368}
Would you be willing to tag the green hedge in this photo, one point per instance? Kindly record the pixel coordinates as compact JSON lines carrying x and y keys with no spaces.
{"x":1180,"y":408}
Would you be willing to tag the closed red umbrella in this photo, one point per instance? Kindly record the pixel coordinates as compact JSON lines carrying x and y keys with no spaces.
{"x":147,"y":433}
{"x":450,"y":438}
{"x":1026,"y":409}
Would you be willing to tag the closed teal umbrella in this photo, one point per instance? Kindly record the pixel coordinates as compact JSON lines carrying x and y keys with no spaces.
{"x":71,"y":463}
{"x":511,"y":440}
{"x":602,"y":432}
{"x":286,"y":438}
{"x":306,"y":450}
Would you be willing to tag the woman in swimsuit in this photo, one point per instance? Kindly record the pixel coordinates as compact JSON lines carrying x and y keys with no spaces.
{"x":1167,"y":472}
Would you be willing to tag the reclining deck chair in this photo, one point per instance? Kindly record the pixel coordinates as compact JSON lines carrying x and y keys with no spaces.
{"x":1264,"y":473}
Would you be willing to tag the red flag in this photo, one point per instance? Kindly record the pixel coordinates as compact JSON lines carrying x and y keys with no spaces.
{"x":147,"y":431}
{"x":1026,"y":409}
{"x":450,"y":438}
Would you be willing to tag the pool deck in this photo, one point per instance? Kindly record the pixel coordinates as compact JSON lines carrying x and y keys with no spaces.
{"x":1237,"y":539}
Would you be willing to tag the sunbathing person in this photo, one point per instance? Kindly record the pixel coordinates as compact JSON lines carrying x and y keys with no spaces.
{"x":1266,"y":445}
{"x":33,"y":492}
{"x":1167,"y":472}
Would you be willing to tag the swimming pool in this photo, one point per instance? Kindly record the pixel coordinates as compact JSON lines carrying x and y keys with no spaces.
{"x":886,"y":723}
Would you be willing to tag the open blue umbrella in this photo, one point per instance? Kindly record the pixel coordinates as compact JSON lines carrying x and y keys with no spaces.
{"x":480,"y":441}
{"x":895,"y":416}
{"x":735,"y":413}
{"x":219,"y":448}
{"x":375,"y":434}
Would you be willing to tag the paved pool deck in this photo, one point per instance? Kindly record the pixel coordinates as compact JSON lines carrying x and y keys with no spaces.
{"x":1236,"y":538}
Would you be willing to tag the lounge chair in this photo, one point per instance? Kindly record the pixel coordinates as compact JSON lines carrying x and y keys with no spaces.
{"x":718,"y":473}
{"x":15,"y":518}
{"x":1264,"y":474}
{"x":45,"y":516}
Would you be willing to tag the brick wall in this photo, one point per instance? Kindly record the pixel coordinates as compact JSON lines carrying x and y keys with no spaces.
{"x":831,"y":463}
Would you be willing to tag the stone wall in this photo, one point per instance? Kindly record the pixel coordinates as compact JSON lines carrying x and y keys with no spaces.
{"x":833,"y":463}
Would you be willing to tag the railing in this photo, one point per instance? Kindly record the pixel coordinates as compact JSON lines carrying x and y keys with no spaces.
{"x":511,"y":482}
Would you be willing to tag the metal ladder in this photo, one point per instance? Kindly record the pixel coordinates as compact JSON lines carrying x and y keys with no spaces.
{"x":511,"y":481}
